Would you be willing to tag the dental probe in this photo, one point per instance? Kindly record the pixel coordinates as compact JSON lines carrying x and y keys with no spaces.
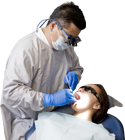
{"x":68,"y":84}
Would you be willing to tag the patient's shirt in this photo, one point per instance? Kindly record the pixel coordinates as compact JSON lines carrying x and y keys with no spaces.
{"x":60,"y":126}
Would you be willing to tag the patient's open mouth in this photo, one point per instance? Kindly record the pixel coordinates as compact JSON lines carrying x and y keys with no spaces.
{"x":77,"y":96}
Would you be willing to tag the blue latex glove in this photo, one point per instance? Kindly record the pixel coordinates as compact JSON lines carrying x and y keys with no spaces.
{"x":72,"y":80}
{"x":59,"y":98}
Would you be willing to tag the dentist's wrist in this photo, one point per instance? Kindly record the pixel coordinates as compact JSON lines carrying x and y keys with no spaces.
{"x":47,"y":100}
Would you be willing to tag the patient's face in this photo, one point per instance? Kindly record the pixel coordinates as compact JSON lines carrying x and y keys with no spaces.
{"x":85,"y":100}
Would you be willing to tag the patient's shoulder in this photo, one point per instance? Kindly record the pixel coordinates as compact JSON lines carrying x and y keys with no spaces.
{"x":101,"y":125}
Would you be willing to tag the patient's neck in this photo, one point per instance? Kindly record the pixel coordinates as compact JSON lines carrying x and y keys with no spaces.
{"x":86,"y":115}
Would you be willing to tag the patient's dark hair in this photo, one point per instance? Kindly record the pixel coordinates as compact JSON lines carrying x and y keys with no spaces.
{"x":68,"y":13}
{"x":100,"y":115}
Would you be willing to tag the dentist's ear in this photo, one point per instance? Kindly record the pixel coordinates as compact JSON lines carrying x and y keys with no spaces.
{"x":97,"y":106}
{"x":52,"y":25}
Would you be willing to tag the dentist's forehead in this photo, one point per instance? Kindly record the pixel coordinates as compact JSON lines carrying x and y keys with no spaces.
{"x":96,"y":88}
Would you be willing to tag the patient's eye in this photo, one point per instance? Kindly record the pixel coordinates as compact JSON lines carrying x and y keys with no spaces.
{"x":80,"y":90}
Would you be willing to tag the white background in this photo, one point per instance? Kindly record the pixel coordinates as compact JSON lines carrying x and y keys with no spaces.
{"x":101,"y":51}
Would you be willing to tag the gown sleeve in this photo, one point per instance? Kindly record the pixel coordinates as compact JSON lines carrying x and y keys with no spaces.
{"x":76,"y":66}
{"x":21,"y":69}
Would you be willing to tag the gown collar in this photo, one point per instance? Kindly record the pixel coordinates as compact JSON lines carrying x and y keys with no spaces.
{"x":41,"y":35}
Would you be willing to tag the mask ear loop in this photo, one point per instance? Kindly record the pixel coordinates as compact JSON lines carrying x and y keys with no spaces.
{"x":62,"y":32}
{"x":57,"y":30}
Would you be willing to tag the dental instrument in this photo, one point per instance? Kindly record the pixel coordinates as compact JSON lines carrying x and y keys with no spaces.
{"x":68,"y":84}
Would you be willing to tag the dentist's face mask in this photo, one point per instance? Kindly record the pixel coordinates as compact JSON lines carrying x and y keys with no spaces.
{"x":60,"y":43}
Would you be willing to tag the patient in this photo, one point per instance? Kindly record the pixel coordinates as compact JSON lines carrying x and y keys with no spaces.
{"x":90,"y":109}
{"x":92,"y":103}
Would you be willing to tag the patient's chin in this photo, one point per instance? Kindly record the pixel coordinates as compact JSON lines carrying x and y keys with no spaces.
{"x":80,"y":106}
{"x":73,"y":105}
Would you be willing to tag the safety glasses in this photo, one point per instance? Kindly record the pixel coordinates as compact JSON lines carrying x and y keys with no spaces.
{"x":91,"y":90}
{"x":69,"y":39}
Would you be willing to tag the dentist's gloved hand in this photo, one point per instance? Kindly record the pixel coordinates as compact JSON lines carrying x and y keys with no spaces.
{"x":59,"y":98}
{"x":73,"y":80}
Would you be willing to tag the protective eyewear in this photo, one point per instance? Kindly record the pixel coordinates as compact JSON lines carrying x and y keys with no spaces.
{"x":91,"y":90}
{"x":69,"y":39}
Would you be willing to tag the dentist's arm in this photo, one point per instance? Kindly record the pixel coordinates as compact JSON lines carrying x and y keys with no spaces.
{"x":74,"y":75}
{"x":20,"y":71}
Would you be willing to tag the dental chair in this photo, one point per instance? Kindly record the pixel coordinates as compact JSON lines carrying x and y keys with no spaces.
{"x":111,"y":123}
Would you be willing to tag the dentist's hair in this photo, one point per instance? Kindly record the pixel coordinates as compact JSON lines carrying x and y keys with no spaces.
{"x":68,"y":13}
{"x":100,"y":115}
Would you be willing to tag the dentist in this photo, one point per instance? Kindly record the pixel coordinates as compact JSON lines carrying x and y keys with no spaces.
{"x":38,"y":68}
